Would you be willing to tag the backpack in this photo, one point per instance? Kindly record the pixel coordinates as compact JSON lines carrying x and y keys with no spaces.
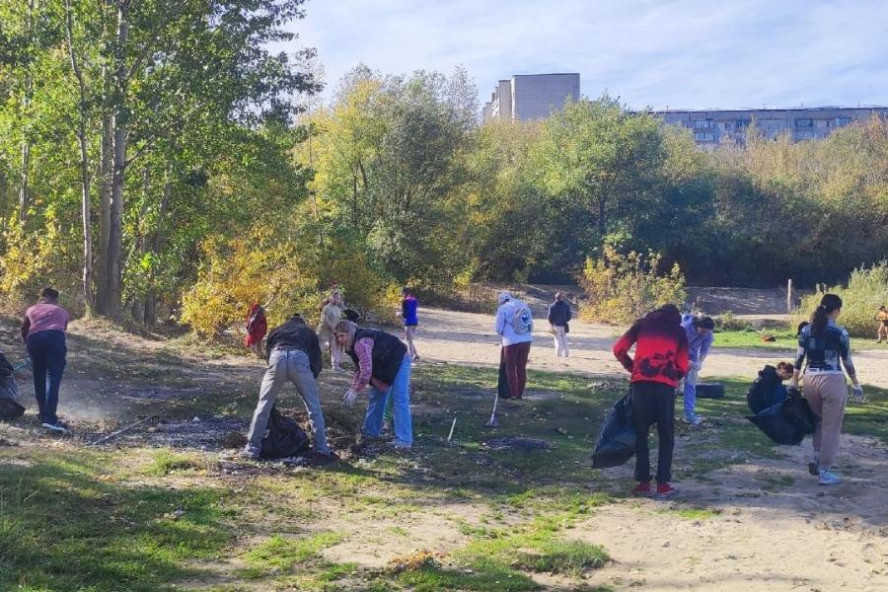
{"x":284,"y":438}
{"x":522,"y":319}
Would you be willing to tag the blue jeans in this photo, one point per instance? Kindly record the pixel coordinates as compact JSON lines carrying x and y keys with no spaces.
{"x":47,"y":350}
{"x":288,"y":364}
{"x":690,"y":393}
{"x":400,"y":394}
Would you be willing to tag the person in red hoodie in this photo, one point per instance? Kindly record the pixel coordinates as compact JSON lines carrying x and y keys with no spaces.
{"x":661,"y":359}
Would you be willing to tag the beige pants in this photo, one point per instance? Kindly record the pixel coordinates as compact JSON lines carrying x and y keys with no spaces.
{"x":827,"y":394}
{"x":560,"y":341}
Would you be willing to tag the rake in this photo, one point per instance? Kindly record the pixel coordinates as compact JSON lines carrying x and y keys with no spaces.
{"x":492,"y":422}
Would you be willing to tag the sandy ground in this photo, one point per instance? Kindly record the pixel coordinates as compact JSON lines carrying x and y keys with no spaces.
{"x":468,"y":338}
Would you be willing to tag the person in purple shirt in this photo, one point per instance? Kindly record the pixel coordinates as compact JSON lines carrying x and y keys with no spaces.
{"x":699,"y":333}
{"x":43,"y":330}
{"x":409,"y":306}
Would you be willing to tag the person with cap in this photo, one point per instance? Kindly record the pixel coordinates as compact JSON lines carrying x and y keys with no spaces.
{"x":514,"y":325}
{"x":43,"y":330}
{"x":699,"y":333}
{"x":294,"y":355}
{"x":559,"y":316}
{"x":827,"y":348}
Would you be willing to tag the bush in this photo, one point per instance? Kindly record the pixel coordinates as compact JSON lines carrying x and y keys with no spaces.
{"x":621,"y":288}
{"x":728,"y":322}
{"x":866,"y":291}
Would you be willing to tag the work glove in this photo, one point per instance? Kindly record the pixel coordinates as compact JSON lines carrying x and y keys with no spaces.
{"x":793,"y":384}
{"x":349,"y":398}
{"x":857,"y":393}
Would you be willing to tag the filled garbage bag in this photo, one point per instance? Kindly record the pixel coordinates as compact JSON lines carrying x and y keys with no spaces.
{"x":10,"y":408}
{"x":616,"y":441}
{"x":285,"y":438}
{"x":786,"y":422}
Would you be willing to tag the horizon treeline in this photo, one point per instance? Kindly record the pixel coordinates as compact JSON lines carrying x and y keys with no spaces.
{"x":162,"y":164}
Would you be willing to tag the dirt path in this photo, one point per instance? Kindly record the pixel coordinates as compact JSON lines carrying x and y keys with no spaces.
{"x":468,"y":338}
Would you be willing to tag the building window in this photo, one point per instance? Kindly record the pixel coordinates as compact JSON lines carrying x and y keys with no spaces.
{"x":704,"y":137}
{"x":804,"y":135}
{"x":742,"y":123}
{"x":704,"y":124}
{"x":804,"y":122}
{"x":821,"y":123}
{"x":842,"y":121}
{"x":772,"y":124}
{"x":727,"y":125}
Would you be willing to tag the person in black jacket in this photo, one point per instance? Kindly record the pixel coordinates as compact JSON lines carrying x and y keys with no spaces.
{"x":768,"y":389}
{"x":559,"y":317}
{"x":294,"y":354}
{"x":382,"y":364}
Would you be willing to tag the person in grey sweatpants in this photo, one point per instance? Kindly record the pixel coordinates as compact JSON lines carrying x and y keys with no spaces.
{"x":294,"y":355}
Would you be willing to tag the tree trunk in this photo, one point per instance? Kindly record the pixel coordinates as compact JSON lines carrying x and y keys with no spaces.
{"x":150,"y":312}
{"x":118,"y":179}
{"x":104,"y":214}
{"x":24,"y":201}
{"x":25,"y":177}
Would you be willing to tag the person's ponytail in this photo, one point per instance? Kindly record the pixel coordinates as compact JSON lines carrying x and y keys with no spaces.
{"x":828,"y":304}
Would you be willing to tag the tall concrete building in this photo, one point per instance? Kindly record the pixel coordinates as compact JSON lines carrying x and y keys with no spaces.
{"x":531,"y":96}
{"x":712,"y":127}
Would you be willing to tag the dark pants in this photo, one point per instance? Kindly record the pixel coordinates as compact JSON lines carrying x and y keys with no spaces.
{"x":653,"y":402}
{"x":47,"y":351}
{"x":513,"y":368}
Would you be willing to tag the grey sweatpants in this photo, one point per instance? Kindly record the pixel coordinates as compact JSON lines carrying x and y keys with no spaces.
{"x":288,"y":365}
{"x":827,"y":394}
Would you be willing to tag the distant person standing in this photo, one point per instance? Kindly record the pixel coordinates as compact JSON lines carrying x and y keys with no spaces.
{"x":699,"y":333}
{"x":331,"y":314}
{"x":882,"y":317}
{"x":43,"y":330}
{"x":514,"y":325}
{"x":827,"y":348}
{"x":409,"y":307}
{"x":661,"y":359}
{"x":559,"y":317}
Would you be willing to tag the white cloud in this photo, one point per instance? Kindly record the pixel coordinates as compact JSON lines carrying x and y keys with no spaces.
{"x":680,"y":53}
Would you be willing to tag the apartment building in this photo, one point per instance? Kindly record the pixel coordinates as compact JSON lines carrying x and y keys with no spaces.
{"x":531,"y":96}
{"x":712,"y":127}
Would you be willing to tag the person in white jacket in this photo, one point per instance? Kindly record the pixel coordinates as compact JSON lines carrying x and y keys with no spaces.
{"x":514,"y":325}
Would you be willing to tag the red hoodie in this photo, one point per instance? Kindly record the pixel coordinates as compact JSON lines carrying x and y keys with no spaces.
{"x":661,"y":348}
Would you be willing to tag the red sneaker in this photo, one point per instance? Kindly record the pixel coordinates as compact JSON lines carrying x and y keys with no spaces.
{"x":664,"y":489}
{"x":643,"y":488}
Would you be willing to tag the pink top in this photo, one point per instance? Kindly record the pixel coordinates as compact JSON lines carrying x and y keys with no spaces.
{"x":364,"y":352}
{"x":44,"y":317}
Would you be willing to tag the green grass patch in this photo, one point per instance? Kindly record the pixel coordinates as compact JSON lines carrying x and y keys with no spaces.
{"x":285,"y":553}
{"x":165,"y":462}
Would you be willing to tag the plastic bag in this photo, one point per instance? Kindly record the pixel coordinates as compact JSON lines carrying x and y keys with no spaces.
{"x":10,"y":408}
{"x":616,"y":441}
{"x":786,"y":422}
{"x":284,"y":438}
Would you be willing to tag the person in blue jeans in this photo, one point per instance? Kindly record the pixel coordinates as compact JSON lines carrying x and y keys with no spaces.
{"x":43,"y":330}
{"x":699,"y":334}
{"x":382,"y":369}
{"x":409,"y":307}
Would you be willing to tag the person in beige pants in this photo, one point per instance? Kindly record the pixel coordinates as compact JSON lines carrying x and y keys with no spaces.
{"x":827,"y":348}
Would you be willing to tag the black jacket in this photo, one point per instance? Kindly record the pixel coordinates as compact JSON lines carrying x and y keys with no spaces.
{"x":559,"y":313}
{"x":295,"y":333}
{"x":387,"y":355}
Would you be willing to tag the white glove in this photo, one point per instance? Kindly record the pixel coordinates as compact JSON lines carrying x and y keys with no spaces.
{"x":857,"y":393}
{"x":793,"y":384}
{"x":349,"y":398}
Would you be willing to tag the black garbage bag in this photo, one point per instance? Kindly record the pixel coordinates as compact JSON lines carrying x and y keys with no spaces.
{"x":10,"y":408}
{"x":285,"y":438}
{"x":616,"y":441}
{"x":787,"y":422}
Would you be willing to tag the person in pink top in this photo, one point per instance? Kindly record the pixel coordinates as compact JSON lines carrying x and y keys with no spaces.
{"x":43,"y":330}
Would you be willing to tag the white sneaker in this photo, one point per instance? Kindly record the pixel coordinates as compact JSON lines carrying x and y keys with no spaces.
{"x":54,"y":427}
{"x":694,"y":419}
{"x":827,"y":477}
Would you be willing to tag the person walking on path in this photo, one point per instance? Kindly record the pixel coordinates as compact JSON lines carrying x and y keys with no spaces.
{"x":827,"y":348}
{"x":882,"y":317}
{"x":43,"y":330}
{"x":699,"y":334}
{"x":294,"y":354}
{"x":559,"y":317}
{"x":383,"y":365}
{"x":409,"y":306}
{"x":331,"y":313}
{"x":661,"y":359}
{"x":514,"y":325}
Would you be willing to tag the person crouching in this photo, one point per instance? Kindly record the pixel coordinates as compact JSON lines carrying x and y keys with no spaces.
{"x":382,"y":364}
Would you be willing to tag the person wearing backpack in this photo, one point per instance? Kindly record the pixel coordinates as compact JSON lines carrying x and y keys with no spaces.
{"x":514,"y":325}
{"x":661,"y":360}
{"x":294,"y":355}
{"x":382,"y":364}
{"x":559,"y":316}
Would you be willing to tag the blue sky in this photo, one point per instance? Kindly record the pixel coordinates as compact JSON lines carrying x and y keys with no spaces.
{"x":677,"y":53}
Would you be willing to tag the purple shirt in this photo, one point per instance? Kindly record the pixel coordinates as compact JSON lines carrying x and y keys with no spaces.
{"x":44,"y":317}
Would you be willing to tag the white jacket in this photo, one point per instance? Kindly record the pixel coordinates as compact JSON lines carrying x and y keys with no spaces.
{"x":504,"y":328}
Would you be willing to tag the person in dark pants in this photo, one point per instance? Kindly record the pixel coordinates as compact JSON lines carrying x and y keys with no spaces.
{"x":661,"y":359}
{"x":43,"y":330}
{"x":514,"y":325}
{"x":559,"y":316}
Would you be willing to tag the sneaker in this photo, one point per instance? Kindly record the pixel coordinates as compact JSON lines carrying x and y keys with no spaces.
{"x":643,"y":488}
{"x":694,"y":419}
{"x":55,"y":427}
{"x":827,"y":477}
{"x":664,"y":490}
